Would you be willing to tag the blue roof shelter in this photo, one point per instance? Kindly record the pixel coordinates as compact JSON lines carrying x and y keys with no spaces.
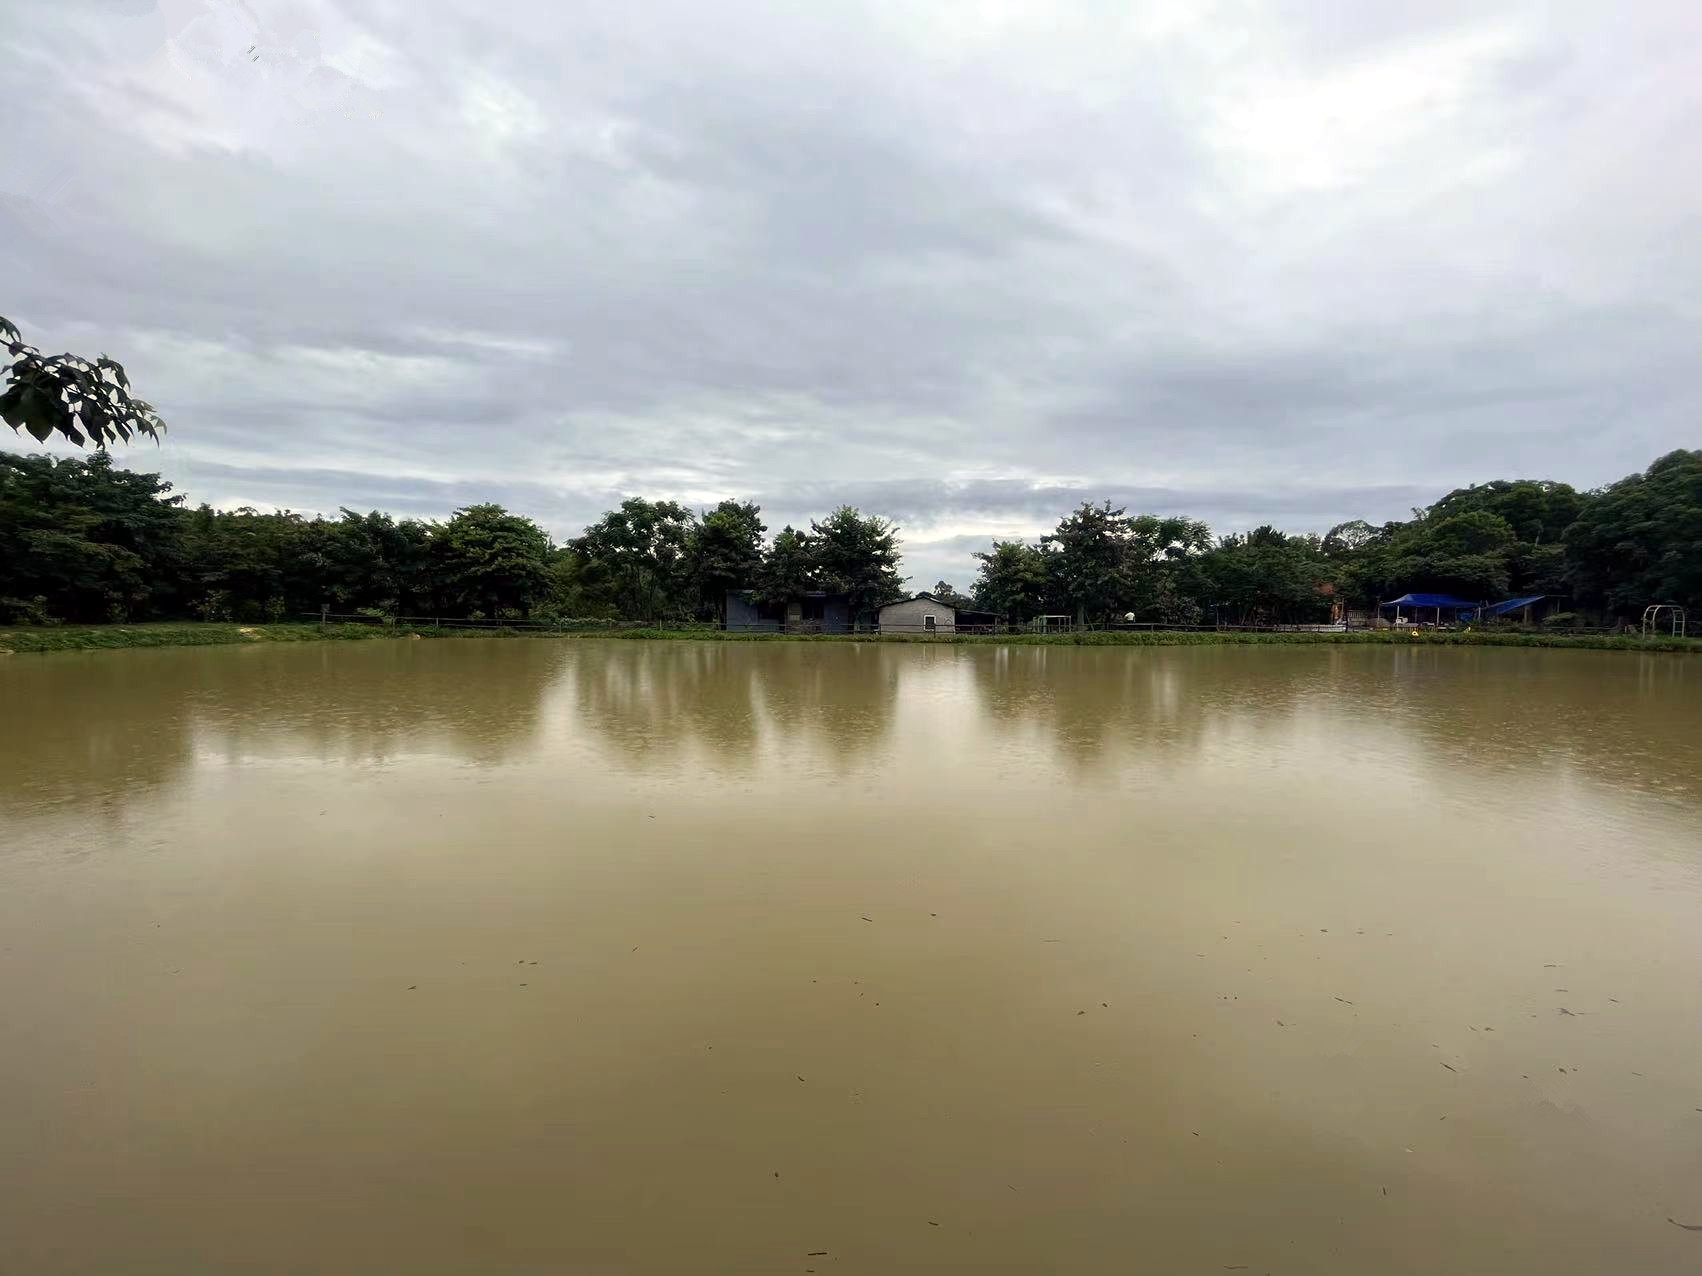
{"x":1512,"y":605}
{"x":1426,"y":602}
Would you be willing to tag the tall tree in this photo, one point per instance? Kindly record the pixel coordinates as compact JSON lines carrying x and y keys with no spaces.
{"x":857,"y":556}
{"x":1537,"y":511}
{"x":1266,"y":577}
{"x":492,"y":561}
{"x":88,"y":540}
{"x":725,"y":550}
{"x":637,"y":556}
{"x":947,"y":593}
{"x":1464,"y":554}
{"x":1087,"y":558}
{"x":568,"y":595}
{"x":1639,"y":541}
{"x":1157,"y":564}
{"x":788,"y":568}
{"x":78,"y":399}
{"x":247,"y":565}
{"x":1012,"y":581}
{"x":373,"y":561}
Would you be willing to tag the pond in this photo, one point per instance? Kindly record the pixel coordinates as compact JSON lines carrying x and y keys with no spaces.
{"x":662,"y":957}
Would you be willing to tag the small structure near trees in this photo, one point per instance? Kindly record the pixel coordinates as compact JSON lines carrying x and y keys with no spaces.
{"x":809,"y":612}
{"x":1525,"y":610}
{"x":921,"y":614}
{"x":1668,"y":615}
{"x":1418,"y":604}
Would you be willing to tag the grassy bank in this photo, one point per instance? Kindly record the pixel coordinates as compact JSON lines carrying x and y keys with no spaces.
{"x":196,"y":634}
{"x":100,"y":637}
{"x":1178,"y":638}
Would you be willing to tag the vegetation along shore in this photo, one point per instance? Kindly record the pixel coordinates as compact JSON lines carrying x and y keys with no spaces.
{"x":85,"y":541}
{"x":18,"y":641}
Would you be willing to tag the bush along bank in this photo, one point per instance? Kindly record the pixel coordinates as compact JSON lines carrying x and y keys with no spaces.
{"x":1205,"y":638}
{"x":198,"y":634}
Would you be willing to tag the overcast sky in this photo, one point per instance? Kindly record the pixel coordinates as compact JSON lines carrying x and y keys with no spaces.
{"x":961,"y":263}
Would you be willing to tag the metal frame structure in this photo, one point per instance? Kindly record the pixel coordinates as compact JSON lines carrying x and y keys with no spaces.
{"x":1652,"y":619}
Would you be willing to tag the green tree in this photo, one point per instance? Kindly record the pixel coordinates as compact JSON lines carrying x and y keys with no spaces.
{"x":637,"y":557}
{"x":1266,"y":577}
{"x":1479,"y":542}
{"x":1538,"y":512}
{"x":724,"y":551}
{"x":1350,"y":537}
{"x":1086,"y":559}
{"x":1464,"y":554}
{"x":1639,"y":541}
{"x":1103,"y":563}
{"x":857,"y":556}
{"x":67,"y":395}
{"x":492,"y":561}
{"x":371,"y":561}
{"x":947,"y":593}
{"x":92,"y":542}
{"x":567,"y":594}
{"x":788,"y":568}
{"x":1158,"y":567}
{"x":1012,"y":581}
{"x":247,"y":565}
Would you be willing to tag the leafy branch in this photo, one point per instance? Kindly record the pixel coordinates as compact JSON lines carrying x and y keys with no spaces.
{"x":82,"y":400}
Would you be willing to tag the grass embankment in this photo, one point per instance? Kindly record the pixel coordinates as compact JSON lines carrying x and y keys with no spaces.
{"x":190,"y":634}
{"x":197,"y":634}
{"x":1208,"y":638}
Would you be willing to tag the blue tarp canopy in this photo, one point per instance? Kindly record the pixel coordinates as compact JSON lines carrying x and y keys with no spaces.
{"x":1512,"y":604}
{"x":1447,"y":602}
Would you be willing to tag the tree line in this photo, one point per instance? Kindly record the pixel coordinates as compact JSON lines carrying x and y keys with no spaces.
{"x":87,"y":541}
{"x":82,"y":539}
{"x":1607,"y":553}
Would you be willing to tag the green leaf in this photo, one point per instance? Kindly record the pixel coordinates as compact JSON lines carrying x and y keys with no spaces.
{"x":42,"y":416}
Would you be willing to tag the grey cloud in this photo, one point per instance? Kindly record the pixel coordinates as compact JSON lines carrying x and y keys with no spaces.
{"x":921,"y":501}
{"x":963,"y":267}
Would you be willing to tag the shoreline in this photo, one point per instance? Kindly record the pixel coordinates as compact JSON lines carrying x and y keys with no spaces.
{"x":35,"y":640}
{"x":22,"y":641}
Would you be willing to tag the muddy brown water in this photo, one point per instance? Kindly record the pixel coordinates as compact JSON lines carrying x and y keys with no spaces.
{"x":626,"y":957}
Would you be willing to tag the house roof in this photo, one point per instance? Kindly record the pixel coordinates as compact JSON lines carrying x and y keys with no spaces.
{"x":1447,"y":602}
{"x":917,"y":598}
{"x":1512,"y":604}
{"x":807,"y":593}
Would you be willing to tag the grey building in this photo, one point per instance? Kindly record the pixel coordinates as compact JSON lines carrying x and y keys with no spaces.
{"x":923,"y":614}
{"x":817,"y":612}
